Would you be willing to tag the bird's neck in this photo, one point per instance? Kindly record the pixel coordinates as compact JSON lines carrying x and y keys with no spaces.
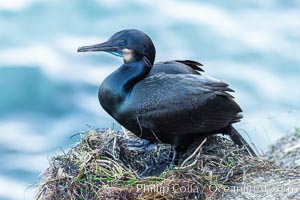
{"x":118,"y":85}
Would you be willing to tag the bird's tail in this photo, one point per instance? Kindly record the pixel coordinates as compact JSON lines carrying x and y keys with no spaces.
{"x":238,"y":139}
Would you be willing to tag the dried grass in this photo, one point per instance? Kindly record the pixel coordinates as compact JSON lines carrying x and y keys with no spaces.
{"x":108,"y":164}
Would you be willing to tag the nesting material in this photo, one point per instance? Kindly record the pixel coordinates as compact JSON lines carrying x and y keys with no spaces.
{"x":108,"y":164}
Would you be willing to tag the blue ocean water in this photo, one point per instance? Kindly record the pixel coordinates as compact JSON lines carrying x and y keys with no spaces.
{"x":48,"y":92}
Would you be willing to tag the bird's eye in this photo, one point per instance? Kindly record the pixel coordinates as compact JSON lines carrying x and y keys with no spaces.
{"x":123,"y":42}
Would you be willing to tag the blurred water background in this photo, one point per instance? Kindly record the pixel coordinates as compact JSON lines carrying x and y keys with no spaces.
{"x":48,"y":92}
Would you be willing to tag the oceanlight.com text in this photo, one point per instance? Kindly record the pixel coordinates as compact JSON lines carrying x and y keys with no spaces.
{"x":194,"y":188}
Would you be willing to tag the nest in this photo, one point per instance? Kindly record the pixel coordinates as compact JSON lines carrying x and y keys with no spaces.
{"x":108,"y":164}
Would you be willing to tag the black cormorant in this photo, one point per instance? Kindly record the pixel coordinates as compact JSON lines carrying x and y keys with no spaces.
{"x":167,"y":101}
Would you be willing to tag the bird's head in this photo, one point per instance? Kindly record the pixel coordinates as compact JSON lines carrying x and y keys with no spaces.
{"x":133,"y":45}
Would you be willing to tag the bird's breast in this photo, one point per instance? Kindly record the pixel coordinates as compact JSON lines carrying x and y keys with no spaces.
{"x":109,"y":97}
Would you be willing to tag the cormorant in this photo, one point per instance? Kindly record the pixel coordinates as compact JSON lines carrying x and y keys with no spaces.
{"x":167,"y":101}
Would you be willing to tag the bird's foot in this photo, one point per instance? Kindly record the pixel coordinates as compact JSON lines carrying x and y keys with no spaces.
{"x":174,"y":160}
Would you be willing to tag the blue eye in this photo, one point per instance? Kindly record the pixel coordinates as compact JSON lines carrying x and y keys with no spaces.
{"x":123,"y":42}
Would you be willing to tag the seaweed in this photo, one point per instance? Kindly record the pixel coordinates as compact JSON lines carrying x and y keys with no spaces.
{"x":110,"y":164}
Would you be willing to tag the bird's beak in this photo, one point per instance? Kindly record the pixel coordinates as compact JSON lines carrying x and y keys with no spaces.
{"x":105,"y":46}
